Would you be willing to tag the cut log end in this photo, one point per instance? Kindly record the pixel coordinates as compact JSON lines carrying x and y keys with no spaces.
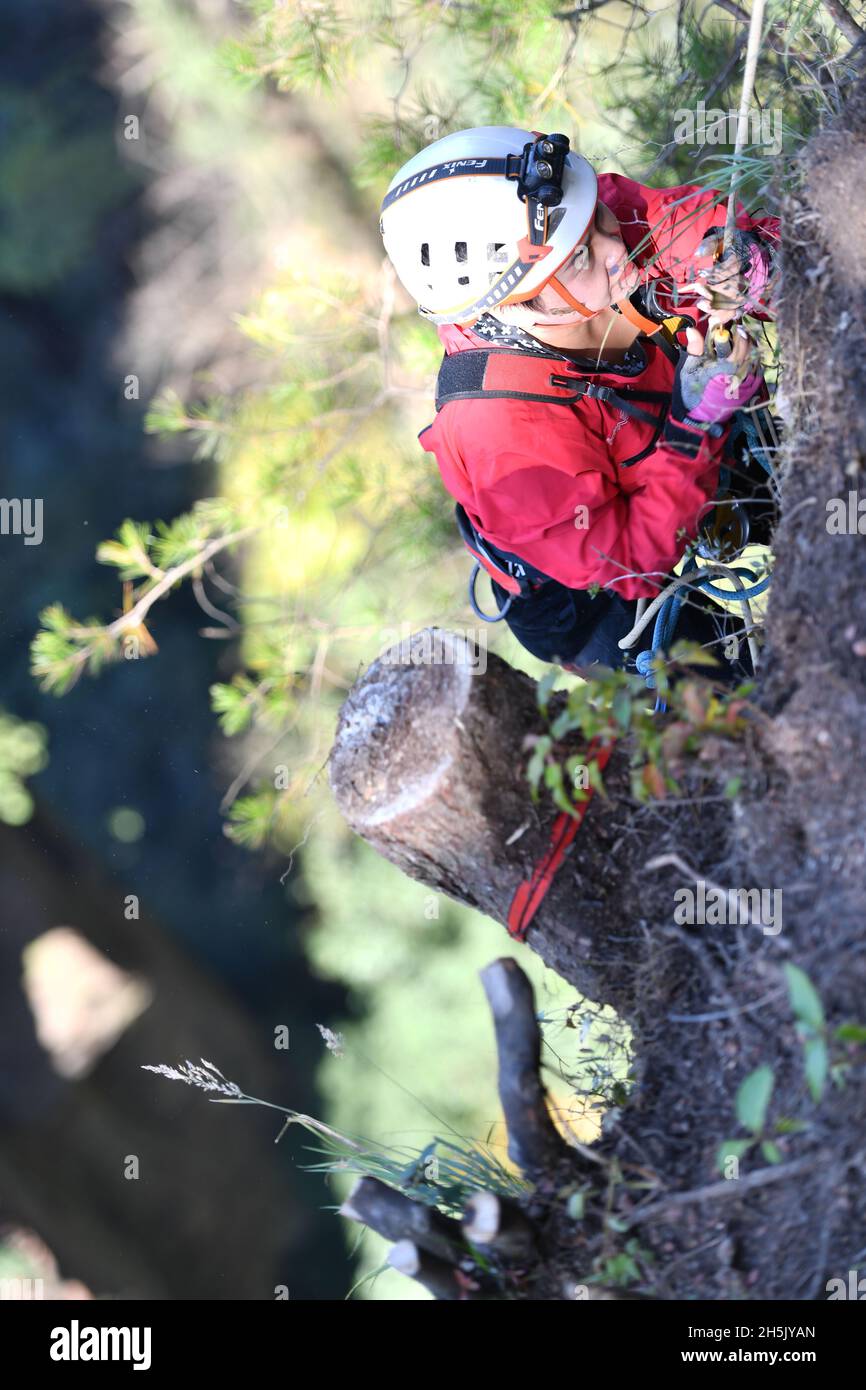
{"x":396,"y":738}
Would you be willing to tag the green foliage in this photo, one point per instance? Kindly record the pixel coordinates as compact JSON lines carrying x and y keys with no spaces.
{"x":444,"y":1174}
{"x":811,"y":1028}
{"x":304,"y":46}
{"x":624,"y":1267}
{"x":23,"y":753}
{"x":753,"y":1098}
{"x":130,"y":552}
{"x":803,"y":997}
{"x":663,"y":75}
{"x":615,"y":705}
{"x":63,"y":649}
{"x":752,"y":1103}
{"x":251,"y":819}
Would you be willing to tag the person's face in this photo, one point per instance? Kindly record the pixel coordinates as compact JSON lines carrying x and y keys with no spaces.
{"x":598,"y":273}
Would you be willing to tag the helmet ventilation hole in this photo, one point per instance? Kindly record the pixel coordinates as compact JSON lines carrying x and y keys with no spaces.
{"x":496,"y":252}
{"x":425,"y":253}
{"x":463,"y":280}
{"x":460,"y":252}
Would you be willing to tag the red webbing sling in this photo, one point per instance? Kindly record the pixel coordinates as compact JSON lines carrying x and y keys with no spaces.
{"x":531,"y":892}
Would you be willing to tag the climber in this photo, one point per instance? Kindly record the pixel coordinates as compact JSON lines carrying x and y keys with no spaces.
{"x":581,"y":436}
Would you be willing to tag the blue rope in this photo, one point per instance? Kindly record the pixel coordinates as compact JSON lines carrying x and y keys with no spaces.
{"x":735,"y":595}
{"x":663,"y":632}
{"x":668,"y":616}
{"x":744,"y":424}
{"x":666,"y":620}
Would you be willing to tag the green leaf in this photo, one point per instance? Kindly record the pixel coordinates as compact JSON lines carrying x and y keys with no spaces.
{"x":562,"y":724}
{"x":731,"y":1148}
{"x":250,"y":820}
{"x":129,"y":551}
{"x":621,"y":1270}
{"x":816,"y":1061}
{"x":553,"y":776}
{"x":616,"y":1223}
{"x":772,"y":1153}
{"x":732,"y":786}
{"x":234,"y":707}
{"x":575,"y":1206}
{"x":805,"y":1001}
{"x":692,"y":653}
{"x":621,"y":709}
{"x":593,"y":772}
{"x":753,"y":1097}
{"x":851,"y":1032}
{"x":536,"y":764}
{"x":786,"y":1126}
{"x":545,"y":688}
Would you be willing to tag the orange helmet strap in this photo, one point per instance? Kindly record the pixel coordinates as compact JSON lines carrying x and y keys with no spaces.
{"x":569,"y":298}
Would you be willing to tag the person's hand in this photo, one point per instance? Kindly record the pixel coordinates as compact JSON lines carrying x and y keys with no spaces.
{"x":739,"y":353}
{"x":707,"y":390}
{"x":728,"y":283}
{"x":712,"y":388}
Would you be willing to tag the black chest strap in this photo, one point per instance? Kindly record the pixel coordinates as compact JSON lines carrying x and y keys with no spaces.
{"x":496,"y":373}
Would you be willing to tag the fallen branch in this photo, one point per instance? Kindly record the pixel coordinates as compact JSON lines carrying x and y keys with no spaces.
{"x":727,"y":1187}
{"x":397,"y":1217}
{"x":534,"y":1142}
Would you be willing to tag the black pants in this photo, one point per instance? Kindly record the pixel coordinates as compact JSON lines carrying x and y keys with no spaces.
{"x":569,"y":628}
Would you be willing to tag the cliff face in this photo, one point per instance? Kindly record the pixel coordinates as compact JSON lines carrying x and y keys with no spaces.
{"x":709,"y":1006}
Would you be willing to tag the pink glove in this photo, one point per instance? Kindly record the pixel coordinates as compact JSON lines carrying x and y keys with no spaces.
{"x":715,"y":405}
{"x":700,"y":404}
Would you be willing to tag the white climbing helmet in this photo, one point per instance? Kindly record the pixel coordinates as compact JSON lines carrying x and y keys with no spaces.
{"x":485,"y":218}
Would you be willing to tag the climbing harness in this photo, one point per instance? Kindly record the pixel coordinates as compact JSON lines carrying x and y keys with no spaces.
{"x":666,"y":606}
{"x":513,"y":374}
{"x":527,"y":375}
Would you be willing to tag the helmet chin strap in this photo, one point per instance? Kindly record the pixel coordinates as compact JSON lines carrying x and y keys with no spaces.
{"x":581,"y":314}
{"x":581,"y":310}
{"x":517,"y":312}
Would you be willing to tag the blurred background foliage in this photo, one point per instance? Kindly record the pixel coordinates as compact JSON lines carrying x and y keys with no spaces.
{"x":320,"y":533}
{"x":23,"y":753}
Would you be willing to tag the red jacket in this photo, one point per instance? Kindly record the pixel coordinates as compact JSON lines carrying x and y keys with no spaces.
{"x":525,"y":471}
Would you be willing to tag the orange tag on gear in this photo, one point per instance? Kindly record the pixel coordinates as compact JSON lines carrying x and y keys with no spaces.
{"x":529,"y":253}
